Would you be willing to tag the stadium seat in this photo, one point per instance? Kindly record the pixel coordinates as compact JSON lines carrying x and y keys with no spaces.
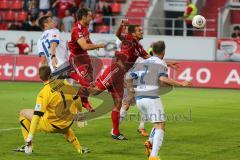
{"x":103,"y":29}
{"x":22,"y":16}
{"x":116,"y":8}
{"x":4,"y":5}
{"x":16,"y":5}
{"x":1,"y":16}
{"x":3,"y":26}
{"x":98,"y":18}
{"x":10,"y":16}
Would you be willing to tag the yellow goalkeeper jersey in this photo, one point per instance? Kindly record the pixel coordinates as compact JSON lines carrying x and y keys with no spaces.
{"x":58,"y":103}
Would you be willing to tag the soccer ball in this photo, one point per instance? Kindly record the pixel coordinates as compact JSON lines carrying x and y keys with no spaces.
{"x":199,"y":22}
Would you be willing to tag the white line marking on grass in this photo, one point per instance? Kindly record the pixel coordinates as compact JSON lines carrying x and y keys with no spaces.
{"x":8,"y":129}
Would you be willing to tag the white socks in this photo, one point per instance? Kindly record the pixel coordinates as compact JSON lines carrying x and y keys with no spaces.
{"x":123,"y":114}
{"x":141,"y":124}
{"x":156,"y":139}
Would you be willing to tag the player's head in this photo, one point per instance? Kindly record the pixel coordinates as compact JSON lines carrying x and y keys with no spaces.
{"x":46,"y":22}
{"x":84,"y":15}
{"x":159,"y":49}
{"x":22,"y":39}
{"x":136,"y":31}
{"x":189,"y":2}
{"x":44,"y":73}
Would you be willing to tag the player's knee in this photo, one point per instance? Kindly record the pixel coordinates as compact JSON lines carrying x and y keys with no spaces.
{"x":22,"y":112}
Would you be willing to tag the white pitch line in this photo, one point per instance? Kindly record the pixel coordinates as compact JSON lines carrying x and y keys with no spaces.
{"x":8,"y":129}
{"x":11,"y":129}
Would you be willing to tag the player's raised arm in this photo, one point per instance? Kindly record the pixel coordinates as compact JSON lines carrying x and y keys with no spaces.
{"x":122,"y":26}
{"x":52,"y":49}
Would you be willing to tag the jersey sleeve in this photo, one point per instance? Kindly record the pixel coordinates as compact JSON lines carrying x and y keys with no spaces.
{"x":40,"y":49}
{"x":163,"y":70}
{"x":54,"y":36}
{"x":42,"y":101}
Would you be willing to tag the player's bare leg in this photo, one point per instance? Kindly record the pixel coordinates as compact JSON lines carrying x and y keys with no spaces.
{"x":123,"y":113}
{"x":123,"y":110}
{"x":154,"y":143}
{"x":141,"y":127}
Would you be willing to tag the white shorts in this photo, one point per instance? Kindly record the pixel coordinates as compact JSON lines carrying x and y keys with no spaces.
{"x":151,"y":109}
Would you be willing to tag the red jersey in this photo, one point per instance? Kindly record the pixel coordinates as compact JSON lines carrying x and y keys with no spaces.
{"x":130,"y":50}
{"x":78,"y":31}
{"x":22,"y":47}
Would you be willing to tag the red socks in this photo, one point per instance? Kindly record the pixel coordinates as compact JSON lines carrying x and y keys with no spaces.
{"x":115,"y":122}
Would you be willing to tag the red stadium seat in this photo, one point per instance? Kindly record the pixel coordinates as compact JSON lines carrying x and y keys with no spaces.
{"x":22,"y":16}
{"x":1,"y":16}
{"x":103,"y":29}
{"x":3,"y":26}
{"x":10,"y":16}
{"x":16,"y":5}
{"x":4,"y":5}
{"x":116,"y":8}
{"x":98,"y":18}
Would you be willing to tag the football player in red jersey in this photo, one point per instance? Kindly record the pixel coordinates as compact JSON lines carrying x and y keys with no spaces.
{"x":79,"y":44}
{"x":112,"y":79}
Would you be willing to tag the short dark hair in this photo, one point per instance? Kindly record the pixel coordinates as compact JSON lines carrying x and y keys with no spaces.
{"x":236,"y":28}
{"x":42,"y":20}
{"x":132,"y":28}
{"x":159,"y":47}
{"x":44,"y":73}
{"x":82,"y":12}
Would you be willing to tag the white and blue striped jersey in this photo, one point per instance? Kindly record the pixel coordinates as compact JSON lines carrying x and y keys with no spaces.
{"x":146,"y":74}
{"x":43,"y":44}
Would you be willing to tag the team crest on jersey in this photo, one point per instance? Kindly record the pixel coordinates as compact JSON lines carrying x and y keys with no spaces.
{"x":38,"y":107}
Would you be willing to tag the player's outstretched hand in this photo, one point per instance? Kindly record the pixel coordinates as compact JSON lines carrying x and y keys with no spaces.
{"x":187,"y":84}
{"x":81,"y":124}
{"x":101,"y":45}
{"x":173,"y":64}
{"x":124,"y":22}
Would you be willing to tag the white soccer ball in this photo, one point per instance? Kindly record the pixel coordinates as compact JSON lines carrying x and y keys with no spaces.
{"x":199,"y":22}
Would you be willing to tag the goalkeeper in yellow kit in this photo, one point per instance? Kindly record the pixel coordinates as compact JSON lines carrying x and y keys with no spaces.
{"x":54,"y":113}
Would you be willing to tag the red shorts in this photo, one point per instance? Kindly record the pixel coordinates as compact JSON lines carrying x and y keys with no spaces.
{"x":112,"y":79}
{"x":82,"y":63}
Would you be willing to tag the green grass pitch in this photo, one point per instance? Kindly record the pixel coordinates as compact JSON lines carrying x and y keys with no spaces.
{"x":203,"y":124}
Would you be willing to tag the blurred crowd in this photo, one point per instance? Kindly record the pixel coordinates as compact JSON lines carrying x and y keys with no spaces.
{"x":236,"y":32}
{"x":62,"y":11}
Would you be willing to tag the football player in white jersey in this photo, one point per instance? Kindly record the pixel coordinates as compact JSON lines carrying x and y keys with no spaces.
{"x":51,"y":48}
{"x":145,"y":82}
